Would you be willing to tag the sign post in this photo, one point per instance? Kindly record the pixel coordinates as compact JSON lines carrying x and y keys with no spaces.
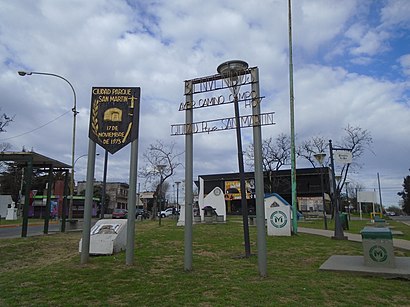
{"x":114,"y":123}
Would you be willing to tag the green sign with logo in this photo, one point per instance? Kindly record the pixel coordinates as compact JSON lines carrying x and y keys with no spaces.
{"x":278,"y":219}
{"x":378,"y":253}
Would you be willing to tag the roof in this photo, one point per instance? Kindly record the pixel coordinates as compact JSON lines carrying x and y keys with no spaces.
{"x":39,"y":161}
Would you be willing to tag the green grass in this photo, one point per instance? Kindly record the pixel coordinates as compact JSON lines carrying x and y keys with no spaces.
{"x":46,"y":271}
{"x":355,"y":226}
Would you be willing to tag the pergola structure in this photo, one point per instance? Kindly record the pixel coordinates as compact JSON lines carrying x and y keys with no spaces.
{"x":30,"y":161}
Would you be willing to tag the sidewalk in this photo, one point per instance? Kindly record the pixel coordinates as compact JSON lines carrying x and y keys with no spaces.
{"x":31,"y":224}
{"x":397,"y":243}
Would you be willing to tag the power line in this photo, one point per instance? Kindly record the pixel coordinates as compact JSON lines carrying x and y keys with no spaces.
{"x":35,"y":129}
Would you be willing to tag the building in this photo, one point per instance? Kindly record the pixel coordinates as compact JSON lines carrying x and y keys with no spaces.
{"x":117,"y":191}
{"x":308,"y":183}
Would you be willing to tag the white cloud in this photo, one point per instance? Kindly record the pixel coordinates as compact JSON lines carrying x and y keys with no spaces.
{"x":396,"y":12}
{"x":405,"y":64}
{"x":157,"y":45}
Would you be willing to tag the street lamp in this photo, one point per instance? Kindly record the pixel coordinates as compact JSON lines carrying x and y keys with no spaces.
{"x":338,"y":234}
{"x":160,"y":168}
{"x":320,"y":157}
{"x":177,"y":183}
{"x":74,"y":110}
{"x":347,"y":199}
{"x":233,"y":73}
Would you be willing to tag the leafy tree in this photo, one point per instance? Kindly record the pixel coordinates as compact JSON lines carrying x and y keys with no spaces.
{"x":405,"y":195}
{"x":160,"y":163}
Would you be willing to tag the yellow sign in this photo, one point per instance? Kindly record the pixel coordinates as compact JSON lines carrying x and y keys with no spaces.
{"x":233,"y":189}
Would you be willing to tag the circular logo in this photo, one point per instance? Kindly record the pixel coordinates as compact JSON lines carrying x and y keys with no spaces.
{"x":278,"y":219}
{"x":378,"y":253}
{"x":217,"y":191}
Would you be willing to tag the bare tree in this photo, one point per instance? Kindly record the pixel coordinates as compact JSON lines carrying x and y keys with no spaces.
{"x":161,"y":161}
{"x":275,"y":153}
{"x":5,"y":121}
{"x":357,"y":140}
{"x":312,"y":146}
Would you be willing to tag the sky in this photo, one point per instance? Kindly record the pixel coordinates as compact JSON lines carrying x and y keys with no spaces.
{"x":351,"y":66}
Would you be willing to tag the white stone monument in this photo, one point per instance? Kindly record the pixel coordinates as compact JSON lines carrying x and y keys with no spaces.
{"x":12,"y":212}
{"x":277,"y":213}
{"x":107,"y":236}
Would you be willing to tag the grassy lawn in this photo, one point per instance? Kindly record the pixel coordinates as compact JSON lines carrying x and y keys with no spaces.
{"x":356,"y":225}
{"x":46,"y":271}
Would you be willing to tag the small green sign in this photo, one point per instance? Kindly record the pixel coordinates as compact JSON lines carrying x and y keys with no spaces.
{"x":278,"y":219}
{"x":378,"y":253}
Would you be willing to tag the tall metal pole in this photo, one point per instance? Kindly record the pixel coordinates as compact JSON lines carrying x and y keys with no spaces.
{"x":177,"y":183}
{"x":104,"y":187}
{"x":380,"y":194}
{"x":347,"y":199}
{"x":64,"y":207}
{"x":48,"y":201}
{"x":160,"y":196}
{"x":259,"y":185}
{"x":28,"y":171}
{"x":320,"y":157}
{"x":129,"y":253}
{"x":292,"y":127}
{"x":189,"y":152}
{"x":323,"y":198}
{"x":233,"y":72}
{"x":74,"y":110}
{"x":338,"y":234}
{"x":244,"y":202}
{"x":88,"y":203}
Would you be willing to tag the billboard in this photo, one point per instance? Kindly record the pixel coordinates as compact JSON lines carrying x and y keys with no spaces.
{"x":233,"y":189}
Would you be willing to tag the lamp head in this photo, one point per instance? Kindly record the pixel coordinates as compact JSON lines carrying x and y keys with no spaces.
{"x":231,"y":68}
{"x":23,"y":73}
{"x":232,"y":72}
{"x":320,"y":157}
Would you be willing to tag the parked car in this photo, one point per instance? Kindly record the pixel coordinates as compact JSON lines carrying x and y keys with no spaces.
{"x":119,"y":214}
{"x":167,"y":212}
{"x":144,"y":214}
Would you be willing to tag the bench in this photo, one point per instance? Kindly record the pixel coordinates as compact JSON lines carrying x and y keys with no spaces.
{"x":308,"y":216}
{"x":379,"y":222}
{"x":71,"y":224}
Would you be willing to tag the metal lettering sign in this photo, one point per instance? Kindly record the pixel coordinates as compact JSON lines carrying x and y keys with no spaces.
{"x":114,"y":116}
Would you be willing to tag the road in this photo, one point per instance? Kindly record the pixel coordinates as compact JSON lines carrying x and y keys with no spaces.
{"x":32,"y":230}
{"x":402,"y":218}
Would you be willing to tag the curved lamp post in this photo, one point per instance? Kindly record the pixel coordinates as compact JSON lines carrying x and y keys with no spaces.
{"x":178,"y":183}
{"x":232,"y":71}
{"x":74,"y":110}
{"x":161,"y":168}
{"x":320,"y":158}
